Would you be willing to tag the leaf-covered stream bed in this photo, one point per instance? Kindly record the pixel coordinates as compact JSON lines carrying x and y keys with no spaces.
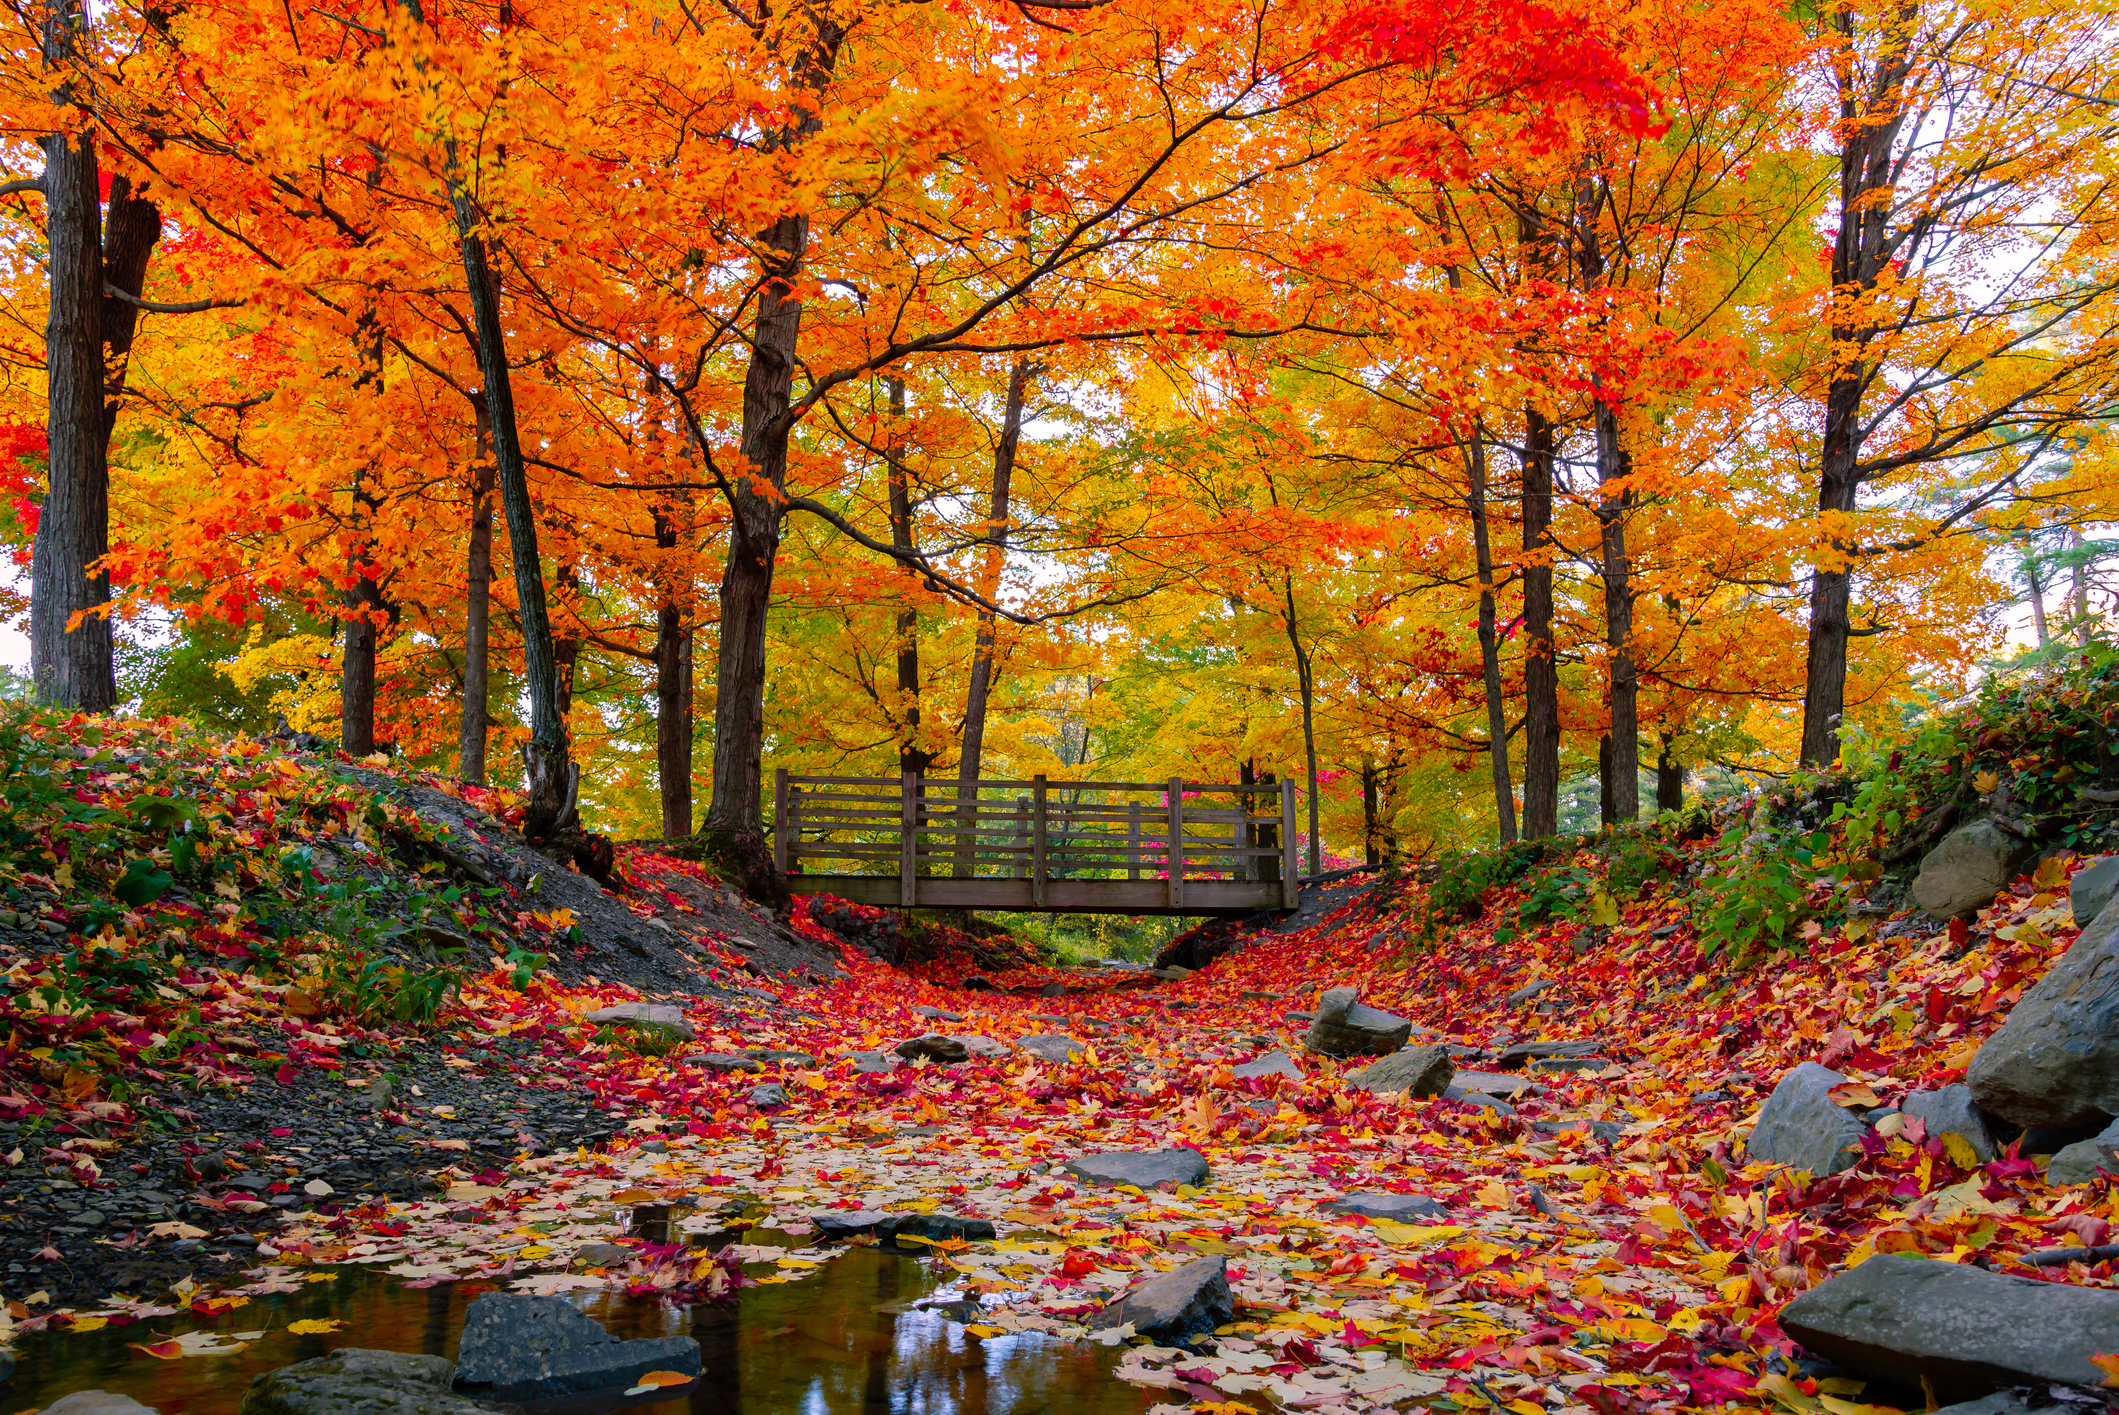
{"x":871,"y":1331}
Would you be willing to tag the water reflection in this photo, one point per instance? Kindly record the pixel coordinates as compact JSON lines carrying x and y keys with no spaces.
{"x":849,"y":1341}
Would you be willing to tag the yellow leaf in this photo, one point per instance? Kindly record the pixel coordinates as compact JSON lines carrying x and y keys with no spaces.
{"x":1960,"y":1150}
{"x":1848,"y":1407}
{"x":2109,"y":1364}
{"x":80,"y":1324}
{"x":1986,"y":781}
{"x":986,"y":1331}
{"x":1403,"y":1235}
{"x":1855,"y":1093}
{"x":313,"y":1327}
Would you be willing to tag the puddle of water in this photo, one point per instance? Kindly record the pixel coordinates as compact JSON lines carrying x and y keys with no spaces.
{"x":840,"y":1343}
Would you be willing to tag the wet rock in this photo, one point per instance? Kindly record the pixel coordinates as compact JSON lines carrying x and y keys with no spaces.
{"x":1176,"y":1306}
{"x":785,"y":1058}
{"x":1950,"y":1111}
{"x":103,"y":1402}
{"x":1143,"y":1169}
{"x":1962,"y":875}
{"x":1275,"y":1063}
{"x":660,"y":1015}
{"x":934,"y":1047}
{"x":2001,"y":1402}
{"x":1172,"y":974}
{"x":518,"y":1348}
{"x":604,"y":1255}
{"x":354,"y":1381}
{"x":2092,"y":888}
{"x":2079,"y":1163}
{"x":1803,"y":1127}
{"x":2052,"y":1139}
{"x":1399,"y":1208}
{"x":1051,"y":1046}
{"x":1959,"y":1329}
{"x":725,"y":1061}
{"x":1344,"y":1027}
{"x":1515,"y":1057}
{"x":936,"y":1014}
{"x":839,"y":1225}
{"x":1417,"y":1071}
{"x":2055,"y":1061}
{"x":770,"y":1096}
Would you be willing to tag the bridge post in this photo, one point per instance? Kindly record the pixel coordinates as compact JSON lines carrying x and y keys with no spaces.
{"x":1133,"y":841}
{"x":1287,"y":845}
{"x":1037,"y":842}
{"x":1176,"y":853}
{"x":908,"y":837}
{"x":780,"y":819}
{"x":1021,"y":867}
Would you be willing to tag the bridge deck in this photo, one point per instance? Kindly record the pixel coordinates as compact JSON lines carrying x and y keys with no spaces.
{"x":1073,"y":847}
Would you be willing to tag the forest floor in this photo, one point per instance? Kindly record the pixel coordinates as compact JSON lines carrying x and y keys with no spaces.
{"x":223,"y":1124}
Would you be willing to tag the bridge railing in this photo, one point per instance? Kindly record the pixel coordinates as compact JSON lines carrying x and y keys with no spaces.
{"x":1228,"y":846}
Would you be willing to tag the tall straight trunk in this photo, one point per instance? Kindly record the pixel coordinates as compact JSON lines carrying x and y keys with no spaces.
{"x":2038,"y":620}
{"x":71,"y":664}
{"x":1369,"y":847}
{"x":364,"y":598}
{"x":1490,"y":641}
{"x":1870,"y":122}
{"x":131,"y":227}
{"x":673,"y":690}
{"x":1613,"y":466}
{"x":983,"y":667}
{"x":1541,"y":673}
{"x":736,"y":814}
{"x":478,"y":615}
{"x":1607,"y":797}
{"x":912,"y":759}
{"x":550,"y":778}
{"x":1669,"y":777}
{"x":566,"y":646}
{"x":1308,"y":685}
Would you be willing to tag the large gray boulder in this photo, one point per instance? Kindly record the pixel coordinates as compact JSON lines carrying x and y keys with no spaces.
{"x":1417,"y":1071}
{"x":1176,"y":1306}
{"x":355,"y":1381}
{"x":1802,"y":1127}
{"x":1950,"y":1111}
{"x":1273,"y":1063}
{"x":1051,"y":1046}
{"x":2055,"y":1062}
{"x":1962,"y":875}
{"x":2092,"y":888}
{"x":1144,"y":1169}
{"x":2078,"y":1163}
{"x":1960,"y":1331}
{"x":1344,"y":1027}
{"x":518,"y":1348}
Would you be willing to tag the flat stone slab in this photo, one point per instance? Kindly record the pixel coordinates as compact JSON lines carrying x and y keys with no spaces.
{"x":1514,"y":1057}
{"x":1401,"y":1208}
{"x":1177,"y":1306}
{"x":518,"y":1348}
{"x":1802,"y":1127}
{"x":1479,"y":1099}
{"x":872,"y":1061}
{"x":936,"y":1014}
{"x":349,"y":1381}
{"x":1051,"y":1046}
{"x":840,"y":1224}
{"x":2055,"y":1061}
{"x":1417,"y":1071}
{"x":1143,"y":1169}
{"x":1345,"y":1027}
{"x":1506,"y":1085}
{"x":725,"y":1061}
{"x":770,"y":1096}
{"x":1273,"y":1063}
{"x":1963,"y":1331}
{"x":637,"y":1014}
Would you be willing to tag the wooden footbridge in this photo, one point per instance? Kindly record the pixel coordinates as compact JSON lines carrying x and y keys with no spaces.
{"x":1069,"y":847}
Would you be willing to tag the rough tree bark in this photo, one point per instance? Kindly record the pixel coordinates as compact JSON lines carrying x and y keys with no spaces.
{"x":71,"y":664}
{"x":1541,"y":675}
{"x":1307,"y":682}
{"x":1490,"y":641}
{"x":912,"y":758}
{"x":1669,"y":777}
{"x":673,"y":688}
{"x":566,"y":647}
{"x":478,"y":615}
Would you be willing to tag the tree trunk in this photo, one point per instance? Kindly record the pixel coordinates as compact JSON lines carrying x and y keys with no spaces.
{"x":2080,"y":587}
{"x":2038,"y":621}
{"x":566,"y":647}
{"x":550,"y":779}
{"x":1309,"y":723}
{"x":71,"y":664}
{"x":131,"y":228}
{"x":1607,"y":798}
{"x":1369,"y":845}
{"x":478,"y":616}
{"x":673,"y":695}
{"x":983,"y":666}
{"x":1541,"y":675}
{"x":912,"y":759}
{"x":1490,"y":642}
{"x":1669,"y":777}
{"x":364,"y":599}
{"x":1613,"y":466}
{"x":1871,"y":115}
